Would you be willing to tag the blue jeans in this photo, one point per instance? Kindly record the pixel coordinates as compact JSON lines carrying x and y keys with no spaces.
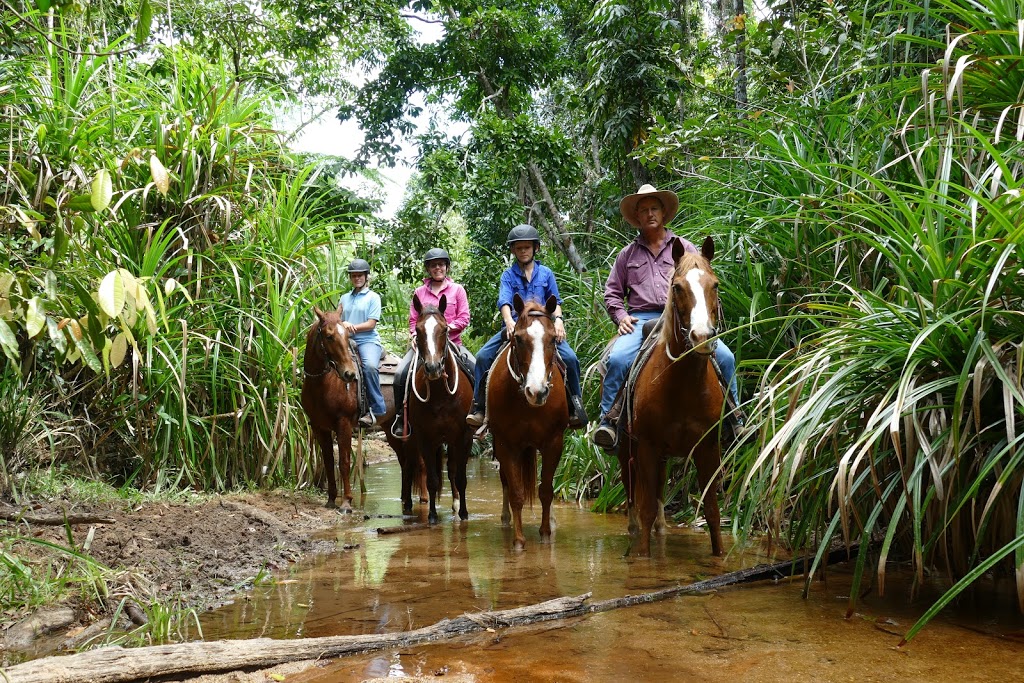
{"x":624,"y":352}
{"x":489,"y":351}
{"x":370,"y":353}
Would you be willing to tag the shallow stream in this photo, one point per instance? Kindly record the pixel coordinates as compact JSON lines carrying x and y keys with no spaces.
{"x":764,"y":632}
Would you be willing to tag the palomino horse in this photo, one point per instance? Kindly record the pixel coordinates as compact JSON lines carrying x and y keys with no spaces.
{"x":527,"y":411}
{"x":678,"y":400}
{"x":440,"y":398}
{"x":330,"y":396}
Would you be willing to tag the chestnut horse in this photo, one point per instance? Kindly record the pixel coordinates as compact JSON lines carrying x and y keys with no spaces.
{"x":440,"y":398}
{"x":678,"y":401}
{"x":330,"y":397}
{"x":527,"y":412}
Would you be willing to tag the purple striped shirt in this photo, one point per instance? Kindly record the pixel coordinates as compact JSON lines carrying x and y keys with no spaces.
{"x":639,"y":278}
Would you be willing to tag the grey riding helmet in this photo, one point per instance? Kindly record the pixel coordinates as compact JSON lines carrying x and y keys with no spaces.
{"x":524,"y":233}
{"x":436,"y":254}
{"x":359,"y":266}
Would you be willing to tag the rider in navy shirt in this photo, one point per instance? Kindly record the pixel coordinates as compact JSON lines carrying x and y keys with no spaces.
{"x":532,"y":281}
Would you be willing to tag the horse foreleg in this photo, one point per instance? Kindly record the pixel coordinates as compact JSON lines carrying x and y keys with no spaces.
{"x":550,"y":455}
{"x":708,"y":459}
{"x":344,"y":431}
{"x":325,"y":441}
{"x":626,"y":471}
{"x":460,"y":456}
{"x":647,"y":491}
{"x":432,"y":461}
{"x":506,"y":510}
{"x":407,"y":462}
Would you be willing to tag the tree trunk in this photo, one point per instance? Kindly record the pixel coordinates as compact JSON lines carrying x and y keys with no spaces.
{"x":741,"y":57}
{"x":560,"y":235}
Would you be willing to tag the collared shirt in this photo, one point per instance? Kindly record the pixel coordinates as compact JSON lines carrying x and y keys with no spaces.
{"x":456,"y":311}
{"x":538,"y":289}
{"x":358,"y":307}
{"x":639,"y":278}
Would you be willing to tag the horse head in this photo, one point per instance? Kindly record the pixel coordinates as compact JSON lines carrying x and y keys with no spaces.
{"x":330,"y":341}
{"x":431,"y":336}
{"x":693,"y":301}
{"x":533,"y":346}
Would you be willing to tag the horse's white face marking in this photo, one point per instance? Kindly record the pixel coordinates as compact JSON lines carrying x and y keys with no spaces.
{"x":428,"y":327}
{"x":700,"y":325}
{"x":535,"y":380}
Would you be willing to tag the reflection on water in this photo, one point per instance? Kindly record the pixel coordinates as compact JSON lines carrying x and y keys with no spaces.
{"x":388,"y":583}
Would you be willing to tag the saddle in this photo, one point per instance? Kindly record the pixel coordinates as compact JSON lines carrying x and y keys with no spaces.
{"x":624,"y":399}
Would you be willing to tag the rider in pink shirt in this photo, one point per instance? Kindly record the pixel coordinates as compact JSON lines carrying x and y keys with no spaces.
{"x":456,"y":313}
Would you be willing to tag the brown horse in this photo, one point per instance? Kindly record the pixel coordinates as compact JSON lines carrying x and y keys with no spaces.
{"x":527,"y":412}
{"x":678,"y":400}
{"x":330,"y":396}
{"x":440,"y":398}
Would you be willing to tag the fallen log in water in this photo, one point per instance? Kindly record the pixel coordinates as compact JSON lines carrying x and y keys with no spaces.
{"x":117,"y":665}
{"x":401,"y":529}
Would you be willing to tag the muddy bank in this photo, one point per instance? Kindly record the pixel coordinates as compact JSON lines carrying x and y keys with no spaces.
{"x":196,"y":555}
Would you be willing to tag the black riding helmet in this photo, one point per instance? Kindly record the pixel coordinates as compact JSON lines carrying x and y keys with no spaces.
{"x":524,"y":233}
{"x":359,"y":266}
{"x":435,"y":254}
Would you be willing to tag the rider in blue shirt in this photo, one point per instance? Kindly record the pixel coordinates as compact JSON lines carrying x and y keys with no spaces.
{"x":532,"y":281}
{"x":361,"y":310}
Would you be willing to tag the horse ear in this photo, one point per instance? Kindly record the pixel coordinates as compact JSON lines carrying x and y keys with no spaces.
{"x":442,"y":303}
{"x":341,"y":308}
{"x":416,"y":303}
{"x":708,"y":248}
{"x":517,"y":303}
{"x":319,"y":313}
{"x":678,"y":249}
{"x":551,"y":304}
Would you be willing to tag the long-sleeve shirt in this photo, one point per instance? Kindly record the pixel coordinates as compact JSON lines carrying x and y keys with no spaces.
{"x":538,"y":288}
{"x":639,"y":278}
{"x":456,"y":311}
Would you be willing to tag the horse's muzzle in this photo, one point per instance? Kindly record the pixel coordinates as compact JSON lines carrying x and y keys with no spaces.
{"x":348,"y":375}
{"x":537,"y":398}
{"x":434,"y":370}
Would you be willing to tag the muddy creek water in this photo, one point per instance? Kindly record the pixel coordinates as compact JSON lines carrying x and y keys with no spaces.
{"x":765,"y":632}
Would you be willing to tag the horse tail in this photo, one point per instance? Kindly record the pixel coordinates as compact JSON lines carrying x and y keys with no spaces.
{"x":528,"y":474}
{"x":413,"y":463}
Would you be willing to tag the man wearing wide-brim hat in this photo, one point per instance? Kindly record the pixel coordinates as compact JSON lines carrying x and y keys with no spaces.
{"x":636,"y":291}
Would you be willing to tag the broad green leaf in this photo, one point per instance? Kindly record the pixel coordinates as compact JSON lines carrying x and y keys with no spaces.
{"x":82,"y":202}
{"x":8,"y":341}
{"x":35,"y":317}
{"x":6,"y":280}
{"x":145,"y":22}
{"x":111,"y":294}
{"x":43,"y":5}
{"x":118,"y":349}
{"x":88,"y":355}
{"x":5,"y":309}
{"x":102,"y":190}
{"x":160,"y":176}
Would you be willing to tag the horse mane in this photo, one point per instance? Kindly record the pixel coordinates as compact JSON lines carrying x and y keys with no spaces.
{"x":688,"y":261}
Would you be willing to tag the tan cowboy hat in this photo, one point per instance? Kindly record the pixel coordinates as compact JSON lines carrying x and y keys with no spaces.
{"x":668,"y":199}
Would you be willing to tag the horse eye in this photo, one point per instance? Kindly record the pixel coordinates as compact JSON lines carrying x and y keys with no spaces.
{"x":715,"y":287}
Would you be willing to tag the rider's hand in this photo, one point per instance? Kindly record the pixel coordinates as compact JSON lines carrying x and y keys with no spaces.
{"x":626,"y":324}
{"x":349,"y":327}
{"x":510,"y":328}
{"x":559,"y":331}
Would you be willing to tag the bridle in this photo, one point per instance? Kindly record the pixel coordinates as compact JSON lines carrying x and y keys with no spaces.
{"x":520,"y":378}
{"x":678,"y":328}
{"x":449,"y":353}
{"x":321,"y":348}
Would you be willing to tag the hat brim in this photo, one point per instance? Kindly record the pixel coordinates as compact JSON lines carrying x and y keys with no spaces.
{"x":669,"y":200}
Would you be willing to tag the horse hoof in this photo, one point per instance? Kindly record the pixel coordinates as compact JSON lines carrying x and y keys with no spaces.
{"x":331,"y":505}
{"x":519,"y":546}
{"x":545,"y":540}
{"x":433,"y":519}
{"x":463,"y":515}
